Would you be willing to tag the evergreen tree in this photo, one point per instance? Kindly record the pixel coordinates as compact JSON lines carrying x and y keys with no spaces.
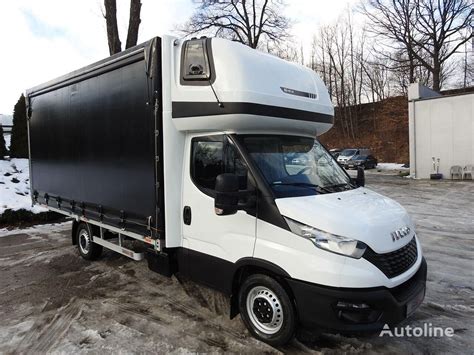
{"x":19,"y":138}
{"x":3,"y":148}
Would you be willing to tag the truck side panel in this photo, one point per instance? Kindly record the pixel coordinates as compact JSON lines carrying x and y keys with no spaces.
{"x":92,"y":147}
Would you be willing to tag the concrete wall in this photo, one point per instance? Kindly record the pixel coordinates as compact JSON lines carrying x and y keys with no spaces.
{"x":440,"y":127}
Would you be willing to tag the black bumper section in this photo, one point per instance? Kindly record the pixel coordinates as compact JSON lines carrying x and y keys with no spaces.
{"x":317,"y":305}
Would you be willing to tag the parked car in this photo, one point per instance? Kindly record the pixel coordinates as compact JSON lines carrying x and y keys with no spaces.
{"x":299,"y":160}
{"x":335,"y":152}
{"x":347,"y":154}
{"x":365,"y":161}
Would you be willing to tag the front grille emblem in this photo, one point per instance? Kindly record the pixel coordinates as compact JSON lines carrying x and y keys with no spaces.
{"x":400,"y":233}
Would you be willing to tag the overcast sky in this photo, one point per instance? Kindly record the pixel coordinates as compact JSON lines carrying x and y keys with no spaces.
{"x":41,"y":40}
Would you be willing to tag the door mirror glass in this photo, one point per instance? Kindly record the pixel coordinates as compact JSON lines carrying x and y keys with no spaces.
{"x":227,"y":194}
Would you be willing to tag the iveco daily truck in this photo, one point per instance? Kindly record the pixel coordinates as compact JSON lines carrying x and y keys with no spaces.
{"x":188,"y":146}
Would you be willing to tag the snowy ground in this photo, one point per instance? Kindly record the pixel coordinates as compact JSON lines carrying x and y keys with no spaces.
{"x":15,"y":186}
{"x":8,"y":140}
{"x":391,"y":167}
{"x":54,"y":301}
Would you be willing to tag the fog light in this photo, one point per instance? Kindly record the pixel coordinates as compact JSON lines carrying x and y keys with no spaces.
{"x":356,"y":312}
{"x":349,"y":305}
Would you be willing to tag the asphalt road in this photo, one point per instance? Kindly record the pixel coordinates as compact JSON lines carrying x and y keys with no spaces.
{"x":54,"y":301}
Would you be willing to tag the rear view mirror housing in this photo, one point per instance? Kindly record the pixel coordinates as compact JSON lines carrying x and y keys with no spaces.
{"x":360,"y":179}
{"x":227,"y":194}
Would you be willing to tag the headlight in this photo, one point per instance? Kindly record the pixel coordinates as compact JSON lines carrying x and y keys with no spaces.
{"x":327,"y":241}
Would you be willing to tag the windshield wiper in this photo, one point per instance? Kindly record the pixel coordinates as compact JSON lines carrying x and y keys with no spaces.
{"x":339,"y":185}
{"x":301,"y":184}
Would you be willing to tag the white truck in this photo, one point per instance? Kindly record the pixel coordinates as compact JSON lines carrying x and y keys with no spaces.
{"x":188,"y":146}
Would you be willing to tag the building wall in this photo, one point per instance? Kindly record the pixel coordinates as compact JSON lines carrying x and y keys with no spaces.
{"x":381,"y":126}
{"x":440,"y":127}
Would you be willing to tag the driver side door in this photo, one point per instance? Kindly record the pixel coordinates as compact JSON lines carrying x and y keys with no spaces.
{"x":213,"y":243}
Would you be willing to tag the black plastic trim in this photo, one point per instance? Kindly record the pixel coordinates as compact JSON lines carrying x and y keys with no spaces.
{"x":218,"y":273}
{"x":182,"y":109}
{"x":206,"y":269}
{"x":316,"y":303}
{"x":261,"y":263}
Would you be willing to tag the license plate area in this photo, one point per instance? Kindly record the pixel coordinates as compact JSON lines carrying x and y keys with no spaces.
{"x":415,"y":302}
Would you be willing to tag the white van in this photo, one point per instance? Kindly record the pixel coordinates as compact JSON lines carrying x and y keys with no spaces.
{"x":190,"y":147}
{"x":348,"y":154}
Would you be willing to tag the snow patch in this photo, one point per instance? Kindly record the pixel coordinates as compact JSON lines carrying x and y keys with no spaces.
{"x":42,"y":228}
{"x":15,"y":186}
{"x":391,"y":167}
{"x":8,"y":140}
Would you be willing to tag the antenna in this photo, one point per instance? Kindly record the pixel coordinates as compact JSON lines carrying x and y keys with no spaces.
{"x":219,"y":103}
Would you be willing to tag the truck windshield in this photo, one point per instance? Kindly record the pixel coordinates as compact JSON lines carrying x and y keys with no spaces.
{"x":295,"y":166}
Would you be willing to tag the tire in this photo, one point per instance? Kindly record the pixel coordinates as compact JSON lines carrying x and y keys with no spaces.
{"x":88,"y":249}
{"x":262,"y":297}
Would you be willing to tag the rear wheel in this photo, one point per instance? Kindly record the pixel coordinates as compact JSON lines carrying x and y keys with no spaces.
{"x":267,"y":310}
{"x":87,"y":248}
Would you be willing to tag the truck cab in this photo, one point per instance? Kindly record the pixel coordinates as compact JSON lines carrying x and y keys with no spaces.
{"x":265,"y":227}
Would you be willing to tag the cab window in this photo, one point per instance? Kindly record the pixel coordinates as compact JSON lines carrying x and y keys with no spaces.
{"x":214,"y":155}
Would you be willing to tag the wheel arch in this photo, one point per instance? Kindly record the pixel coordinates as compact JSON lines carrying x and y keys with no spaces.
{"x":249,"y":266}
{"x":75,"y":225}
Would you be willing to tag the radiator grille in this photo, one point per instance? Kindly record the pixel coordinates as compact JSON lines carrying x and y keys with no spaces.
{"x":396,"y":262}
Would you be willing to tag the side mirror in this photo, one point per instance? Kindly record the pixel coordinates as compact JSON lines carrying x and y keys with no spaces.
{"x":227,"y":194}
{"x":360,"y":179}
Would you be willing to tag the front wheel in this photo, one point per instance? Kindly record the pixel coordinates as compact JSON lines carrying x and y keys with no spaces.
{"x":87,"y":248}
{"x":267,"y":310}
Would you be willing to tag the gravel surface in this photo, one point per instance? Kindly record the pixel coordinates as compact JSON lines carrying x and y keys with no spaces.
{"x":54,"y":301}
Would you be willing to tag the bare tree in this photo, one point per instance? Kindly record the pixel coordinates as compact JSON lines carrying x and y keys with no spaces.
{"x":467,"y":66}
{"x":113,"y":38}
{"x":247,"y":21}
{"x":338,"y":55}
{"x":110,"y":15}
{"x":439,"y":32}
{"x":286,"y":50}
{"x":429,"y":31}
{"x":133,"y":23}
{"x":392,"y":20}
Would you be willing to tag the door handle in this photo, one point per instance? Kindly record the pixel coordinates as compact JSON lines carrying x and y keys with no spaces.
{"x":187,"y":215}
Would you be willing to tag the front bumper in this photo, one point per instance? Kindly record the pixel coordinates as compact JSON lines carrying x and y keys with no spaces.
{"x":317,"y":305}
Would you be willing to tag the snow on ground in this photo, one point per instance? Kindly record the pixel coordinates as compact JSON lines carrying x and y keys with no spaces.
{"x":6,"y":120}
{"x":390,"y":166}
{"x":42,"y":228}
{"x":8,"y":140}
{"x":15,"y":186}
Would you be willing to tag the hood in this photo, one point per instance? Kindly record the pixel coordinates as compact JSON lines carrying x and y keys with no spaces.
{"x":359,"y":214}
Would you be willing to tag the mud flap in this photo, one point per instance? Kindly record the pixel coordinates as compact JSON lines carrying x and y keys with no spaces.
{"x":161,"y":263}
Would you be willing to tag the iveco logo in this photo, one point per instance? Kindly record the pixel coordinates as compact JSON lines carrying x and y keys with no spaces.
{"x":400,"y":233}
